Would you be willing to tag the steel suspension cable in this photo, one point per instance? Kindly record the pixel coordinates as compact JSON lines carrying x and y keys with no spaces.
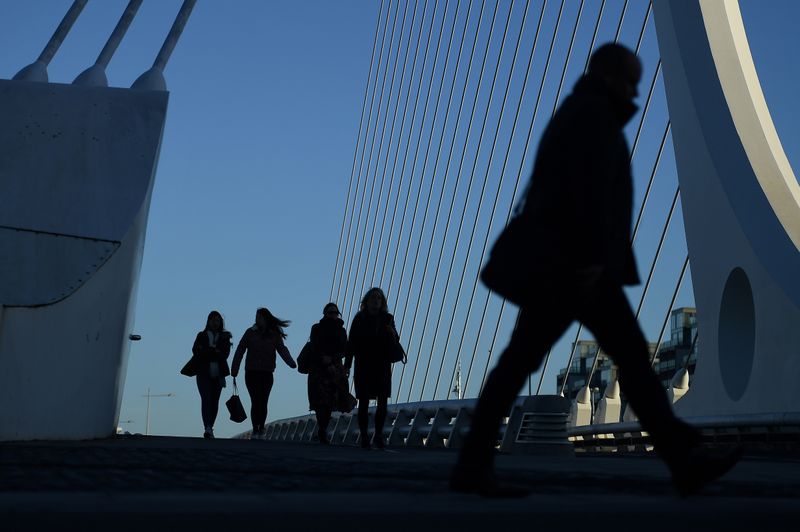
{"x":427,"y":154}
{"x":410,"y":134}
{"x":416,"y":157}
{"x":513,"y":66}
{"x":594,"y":36}
{"x":444,"y":181}
{"x":408,"y":139}
{"x":355,"y":153}
{"x":504,"y":301}
{"x":621,"y":19}
{"x":452,"y":147}
{"x":380,"y":147}
{"x":346,"y":278}
{"x":511,"y":205}
{"x":480,"y":205}
{"x":472,"y":174}
{"x":399,"y":137}
{"x":669,"y":310}
{"x":369,"y":161}
{"x":450,"y":211}
{"x":536,"y":106}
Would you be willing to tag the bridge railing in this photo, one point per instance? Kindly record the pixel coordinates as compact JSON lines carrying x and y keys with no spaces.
{"x":534,"y":424}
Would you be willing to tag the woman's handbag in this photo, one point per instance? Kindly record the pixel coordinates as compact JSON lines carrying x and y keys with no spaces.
{"x":190,"y":368}
{"x":397,"y":353}
{"x":345,"y":402}
{"x":304,"y":358}
{"x":234,"y":405}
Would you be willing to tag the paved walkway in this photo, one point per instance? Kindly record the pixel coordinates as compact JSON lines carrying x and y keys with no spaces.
{"x":193,"y":484}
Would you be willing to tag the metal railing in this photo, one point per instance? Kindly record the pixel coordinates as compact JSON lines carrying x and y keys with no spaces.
{"x":535,"y":422}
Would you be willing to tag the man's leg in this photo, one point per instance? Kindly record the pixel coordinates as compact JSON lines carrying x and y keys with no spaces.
{"x":608,"y":315}
{"x":536,"y":331}
{"x":614,"y":325}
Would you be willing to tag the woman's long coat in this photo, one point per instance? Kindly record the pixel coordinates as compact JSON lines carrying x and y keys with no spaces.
{"x":370,"y":342}
{"x":326,"y":380}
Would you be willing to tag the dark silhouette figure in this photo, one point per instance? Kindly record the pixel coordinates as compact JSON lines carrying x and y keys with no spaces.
{"x":371,"y":340}
{"x":565,"y":256}
{"x":261,"y":341}
{"x":210,"y":360}
{"x":326,"y":375}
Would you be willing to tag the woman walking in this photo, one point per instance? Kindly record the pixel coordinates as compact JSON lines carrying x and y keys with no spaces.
{"x":326,"y":374}
{"x":210,"y":360}
{"x":372,"y":338}
{"x":261,"y":341}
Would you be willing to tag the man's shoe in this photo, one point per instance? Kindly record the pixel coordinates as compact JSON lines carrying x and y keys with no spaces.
{"x":702,"y":466}
{"x":484,"y":483}
{"x":379,"y":443}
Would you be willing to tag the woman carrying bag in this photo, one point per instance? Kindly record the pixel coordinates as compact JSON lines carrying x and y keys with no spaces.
{"x":373,"y":343}
{"x":326,"y":374}
{"x":261,"y":341}
{"x":209,"y":364}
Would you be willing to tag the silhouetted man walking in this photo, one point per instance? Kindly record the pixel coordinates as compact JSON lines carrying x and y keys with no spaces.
{"x":566,"y":256}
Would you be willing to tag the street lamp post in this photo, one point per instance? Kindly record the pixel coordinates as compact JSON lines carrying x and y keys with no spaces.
{"x":147,"y":415}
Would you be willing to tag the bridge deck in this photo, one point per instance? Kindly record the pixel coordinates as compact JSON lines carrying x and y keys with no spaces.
{"x":187,"y":483}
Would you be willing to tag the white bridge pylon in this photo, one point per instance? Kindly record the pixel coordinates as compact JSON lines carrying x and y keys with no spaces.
{"x":741,"y":209}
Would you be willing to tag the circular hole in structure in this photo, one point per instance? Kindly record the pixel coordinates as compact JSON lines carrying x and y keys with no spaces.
{"x":737,"y":333}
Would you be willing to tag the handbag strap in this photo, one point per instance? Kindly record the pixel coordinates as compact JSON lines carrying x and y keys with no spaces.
{"x":235,"y":388}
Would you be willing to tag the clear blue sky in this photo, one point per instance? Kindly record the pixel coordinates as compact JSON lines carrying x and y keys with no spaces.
{"x":265,"y":99}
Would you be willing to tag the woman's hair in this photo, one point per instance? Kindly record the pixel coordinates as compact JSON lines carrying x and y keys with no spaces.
{"x":384,"y":306}
{"x":211,"y":315}
{"x":273,"y":324}
{"x":329,"y":305}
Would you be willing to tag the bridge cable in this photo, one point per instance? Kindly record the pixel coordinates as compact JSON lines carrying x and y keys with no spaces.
{"x":511,"y":204}
{"x":452,"y":145}
{"x":435,"y":165}
{"x":474,"y":225}
{"x":342,"y":277}
{"x":366,"y":205}
{"x":513,"y":62}
{"x":408,"y":143}
{"x":669,"y":310}
{"x":491,"y":217}
{"x":399,"y":137}
{"x":427,"y":154}
{"x":463,"y":155}
{"x":416,"y":157}
{"x":355,"y":153}
{"x":386,"y":158}
{"x":452,"y":202}
{"x":480,"y":202}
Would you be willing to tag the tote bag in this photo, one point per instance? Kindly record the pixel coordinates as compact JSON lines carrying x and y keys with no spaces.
{"x":234,"y":405}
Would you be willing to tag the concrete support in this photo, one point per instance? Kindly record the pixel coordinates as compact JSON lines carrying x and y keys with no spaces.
{"x":609,"y":408}
{"x":678,"y":386}
{"x":580,"y":412}
{"x":741,"y":210}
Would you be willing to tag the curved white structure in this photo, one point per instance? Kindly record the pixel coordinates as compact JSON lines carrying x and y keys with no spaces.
{"x":76,"y":174}
{"x":741,"y":208}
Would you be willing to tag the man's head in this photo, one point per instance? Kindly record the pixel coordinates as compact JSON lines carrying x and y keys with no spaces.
{"x":619,"y":68}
